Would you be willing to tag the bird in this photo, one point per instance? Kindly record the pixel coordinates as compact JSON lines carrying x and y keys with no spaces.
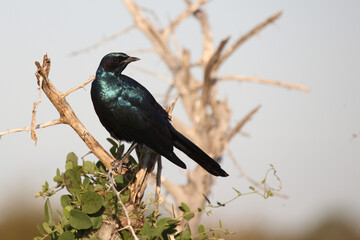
{"x":130,"y":113}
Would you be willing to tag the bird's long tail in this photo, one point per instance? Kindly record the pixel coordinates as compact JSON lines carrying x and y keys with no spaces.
{"x":196,"y":154}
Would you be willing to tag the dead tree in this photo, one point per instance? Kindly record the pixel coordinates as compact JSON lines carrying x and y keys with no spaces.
{"x":209,"y":115}
{"x":211,"y":130}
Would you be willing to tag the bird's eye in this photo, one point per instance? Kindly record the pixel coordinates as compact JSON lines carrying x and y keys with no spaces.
{"x":115,"y":59}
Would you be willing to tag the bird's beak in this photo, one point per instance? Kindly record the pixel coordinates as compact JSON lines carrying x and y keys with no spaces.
{"x":132,"y":59}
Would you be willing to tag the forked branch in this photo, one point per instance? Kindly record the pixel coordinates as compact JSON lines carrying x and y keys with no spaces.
{"x":67,"y":115}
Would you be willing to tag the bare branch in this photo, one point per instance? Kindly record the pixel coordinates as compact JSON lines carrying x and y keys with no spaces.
{"x":247,"y":177}
{"x":208,"y":79}
{"x":129,"y":226}
{"x":240,"y":124}
{"x":158,"y":186}
{"x":170,"y":108}
{"x":46,"y":71}
{"x":154,"y":35}
{"x":103,"y":41}
{"x":208,"y":46}
{"x":265,"y":81}
{"x":78,"y":87}
{"x":67,"y":115}
{"x":251,"y":33}
{"x":190,"y":10}
{"x":42,"y":125}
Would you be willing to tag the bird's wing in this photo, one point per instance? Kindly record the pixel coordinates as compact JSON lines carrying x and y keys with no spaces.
{"x":142,"y":120}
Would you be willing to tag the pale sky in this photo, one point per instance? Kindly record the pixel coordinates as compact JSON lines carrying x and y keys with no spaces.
{"x":305,"y":135}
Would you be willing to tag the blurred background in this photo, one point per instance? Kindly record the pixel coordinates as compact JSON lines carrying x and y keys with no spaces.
{"x":308,"y":137}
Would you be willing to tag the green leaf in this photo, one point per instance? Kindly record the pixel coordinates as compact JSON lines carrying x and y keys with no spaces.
{"x":88,"y":167}
{"x":184,"y":207}
{"x":201,"y":228}
{"x":79,"y":220}
{"x":113,"y":151}
{"x":98,"y":188}
{"x":147,"y":229}
{"x":125,"y":234}
{"x":206,"y":199}
{"x":237,"y":191}
{"x":184,"y":235}
{"x":101,"y":168}
{"x":66,"y":211}
{"x":71,"y":161}
{"x":45,"y":187}
{"x":269,"y":194}
{"x":67,"y":236}
{"x":120,"y":151}
{"x":92,"y":202}
{"x":96,"y":222}
{"x":47,"y":228}
{"x":188,"y":215}
{"x":58,"y":179}
{"x":48,"y":213}
{"x":40,"y":229}
{"x":252,"y":188}
{"x":72,"y":181}
{"x":66,"y":200}
{"x":156,"y":233}
{"x":119,"y":180}
{"x":132,"y":160}
{"x":110,"y":140}
{"x":173,"y":222}
{"x":220,"y":223}
{"x":163,"y":221}
{"x":86,"y":182}
{"x":125,"y":196}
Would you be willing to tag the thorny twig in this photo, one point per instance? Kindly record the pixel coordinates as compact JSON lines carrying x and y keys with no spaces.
{"x":240,"y":124}
{"x":247,"y":177}
{"x":42,"y":125}
{"x":112,"y":184}
{"x":265,"y":81}
{"x":78,"y":87}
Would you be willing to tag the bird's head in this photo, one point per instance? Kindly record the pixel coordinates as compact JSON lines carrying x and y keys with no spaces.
{"x":116,"y":62}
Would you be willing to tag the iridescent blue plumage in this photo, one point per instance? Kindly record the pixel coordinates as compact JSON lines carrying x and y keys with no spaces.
{"x":129,"y":112}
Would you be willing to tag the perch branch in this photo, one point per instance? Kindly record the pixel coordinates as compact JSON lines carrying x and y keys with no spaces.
{"x":265,"y":81}
{"x":240,"y":124}
{"x":251,"y":33}
{"x":67,"y":115}
{"x":174,"y":23}
{"x":78,"y":87}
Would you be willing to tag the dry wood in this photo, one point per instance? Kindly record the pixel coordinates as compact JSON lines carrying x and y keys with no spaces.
{"x":67,"y":115}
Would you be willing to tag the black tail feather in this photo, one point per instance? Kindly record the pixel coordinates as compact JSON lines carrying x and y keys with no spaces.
{"x":196,"y":154}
